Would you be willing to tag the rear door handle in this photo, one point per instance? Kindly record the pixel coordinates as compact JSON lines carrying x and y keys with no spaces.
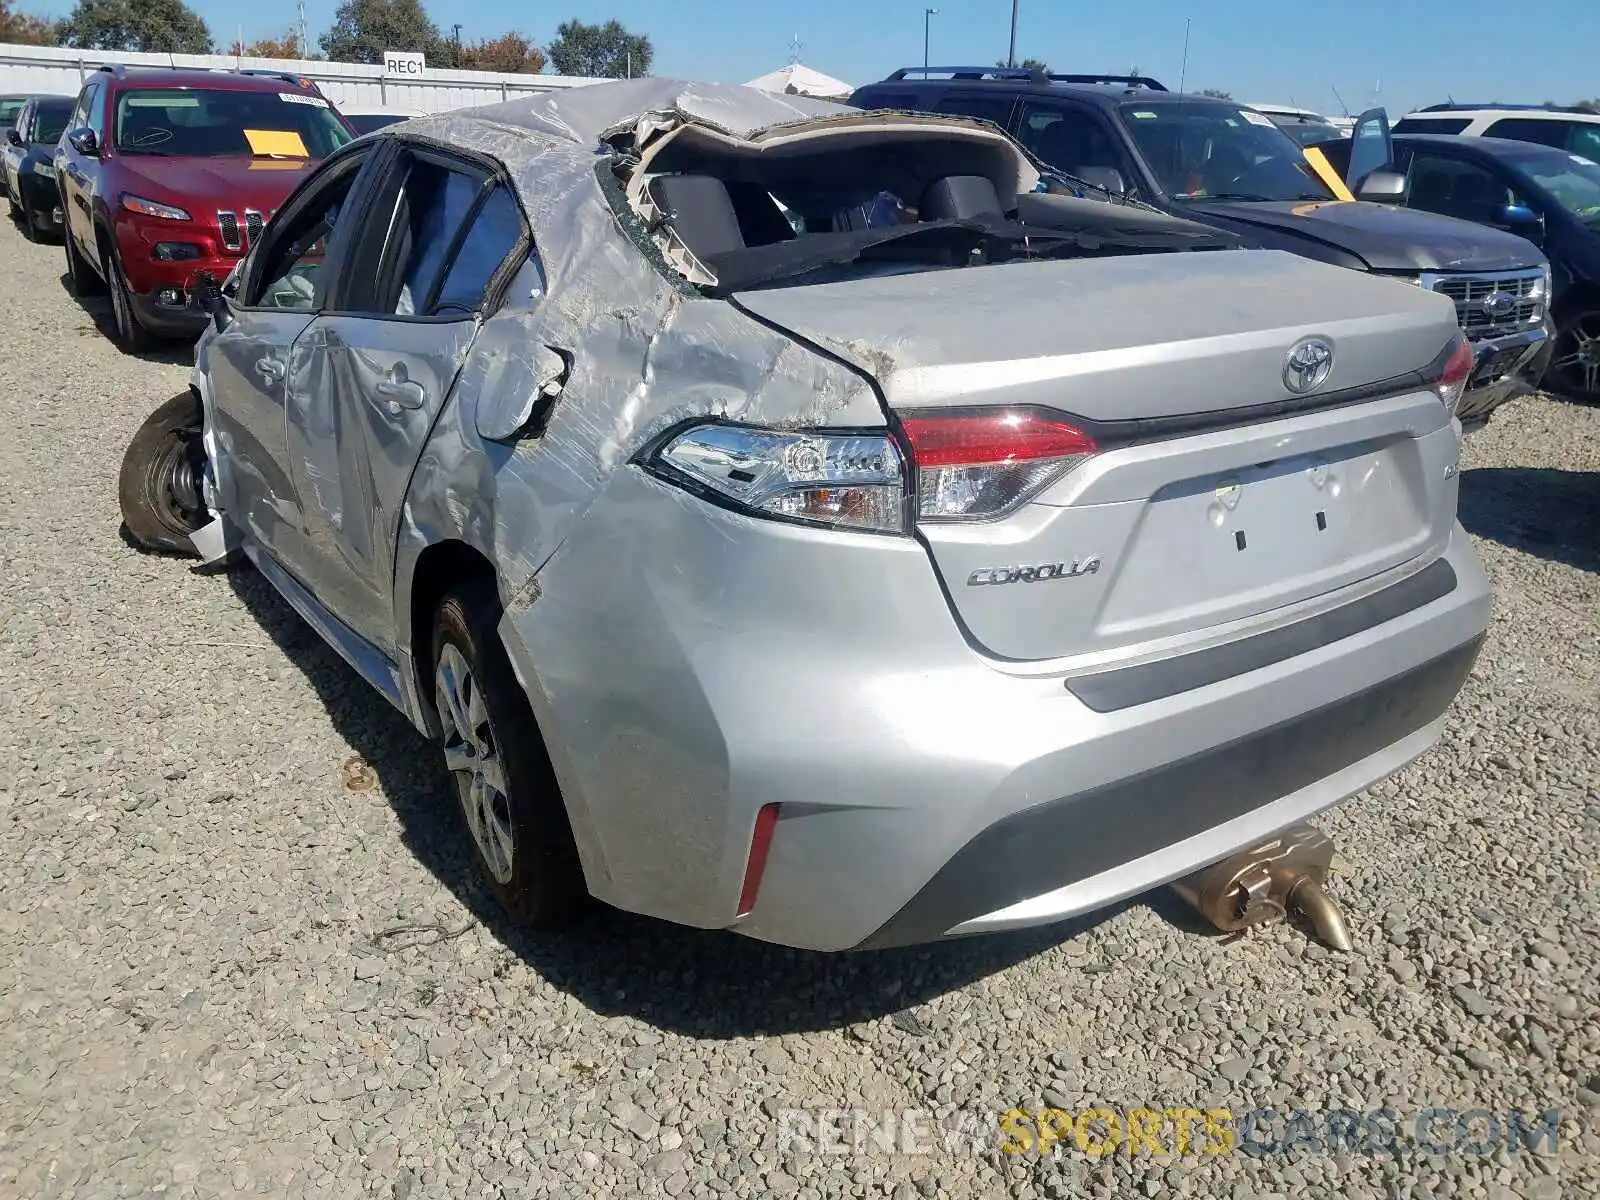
{"x":402,"y":393}
{"x":270,"y":369}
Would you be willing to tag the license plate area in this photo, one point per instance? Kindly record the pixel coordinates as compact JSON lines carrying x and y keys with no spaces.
{"x":1228,"y":545}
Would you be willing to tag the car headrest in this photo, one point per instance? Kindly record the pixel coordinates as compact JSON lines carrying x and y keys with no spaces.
{"x":1063,"y":144}
{"x":958,"y":197}
{"x":700,"y":212}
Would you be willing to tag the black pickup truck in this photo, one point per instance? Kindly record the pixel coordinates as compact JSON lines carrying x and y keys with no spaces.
{"x":1128,"y":139}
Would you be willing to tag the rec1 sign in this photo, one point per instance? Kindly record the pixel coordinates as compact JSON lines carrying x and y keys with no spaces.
{"x":405,"y":64}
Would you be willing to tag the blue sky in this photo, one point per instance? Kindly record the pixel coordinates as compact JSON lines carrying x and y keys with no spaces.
{"x":1413,"y":51}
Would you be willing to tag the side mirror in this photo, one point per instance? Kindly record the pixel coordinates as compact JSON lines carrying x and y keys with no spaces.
{"x":85,"y":142}
{"x":1519,"y":218}
{"x":13,"y":136}
{"x":1383,"y":187}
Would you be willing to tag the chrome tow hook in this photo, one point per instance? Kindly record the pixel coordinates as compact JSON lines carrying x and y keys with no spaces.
{"x":1267,"y":881}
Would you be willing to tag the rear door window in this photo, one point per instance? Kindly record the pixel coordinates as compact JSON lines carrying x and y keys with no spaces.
{"x":452,"y":229}
{"x":903,"y":101}
{"x":494,"y":233}
{"x":1522,"y":129}
{"x":1431,"y":125}
{"x":988,"y":108}
{"x":434,"y":207}
{"x":1584,"y":140}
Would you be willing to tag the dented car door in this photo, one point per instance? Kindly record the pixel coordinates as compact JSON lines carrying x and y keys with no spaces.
{"x":252,"y":360}
{"x":372,"y":378}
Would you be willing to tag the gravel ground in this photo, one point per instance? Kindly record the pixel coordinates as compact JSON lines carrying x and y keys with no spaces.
{"x":245,"y":955}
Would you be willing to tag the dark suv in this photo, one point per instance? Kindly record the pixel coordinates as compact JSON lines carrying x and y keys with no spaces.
{"x":1226,"y":165}
{"x":167,"y":176}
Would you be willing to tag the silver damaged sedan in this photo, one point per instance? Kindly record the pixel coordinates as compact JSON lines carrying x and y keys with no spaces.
{"x":800,"y":521}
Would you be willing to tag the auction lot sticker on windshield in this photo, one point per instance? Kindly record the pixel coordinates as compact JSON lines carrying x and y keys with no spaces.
{"x":297,"y":98}
{"x":1580,"y":160}
{"x":1143,"y":114}
{"x":1256,"y":118}
{"x":276,"y":141}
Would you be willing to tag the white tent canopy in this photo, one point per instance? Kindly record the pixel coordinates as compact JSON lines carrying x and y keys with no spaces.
{"x":797,"y":80}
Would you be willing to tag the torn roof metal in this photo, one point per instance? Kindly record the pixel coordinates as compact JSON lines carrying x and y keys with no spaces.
{"x":588,"y":114}
{"x":551,"y":145}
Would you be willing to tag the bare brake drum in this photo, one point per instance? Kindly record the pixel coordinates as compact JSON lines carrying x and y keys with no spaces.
{"x":1266,"y":881}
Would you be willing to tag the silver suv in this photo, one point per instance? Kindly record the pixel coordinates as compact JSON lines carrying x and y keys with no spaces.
{"x":788,"y":520}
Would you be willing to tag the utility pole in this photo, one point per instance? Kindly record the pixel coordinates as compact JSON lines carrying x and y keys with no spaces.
{"x":1011,"y":56}
{"x":305,"y":34}
{"x":457,"y":62}
{"x":927,"y":19}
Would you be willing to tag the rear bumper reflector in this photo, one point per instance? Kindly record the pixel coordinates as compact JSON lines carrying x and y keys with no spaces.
{"x":756,"y":863}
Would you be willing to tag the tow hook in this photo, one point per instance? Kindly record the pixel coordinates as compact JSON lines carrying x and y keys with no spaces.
{"x":1263,"y":883}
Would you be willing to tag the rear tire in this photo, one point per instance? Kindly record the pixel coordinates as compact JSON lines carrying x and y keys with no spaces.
{"x":29,"y":229}
{"x":510,"y":801}
{"x":159,"y":485}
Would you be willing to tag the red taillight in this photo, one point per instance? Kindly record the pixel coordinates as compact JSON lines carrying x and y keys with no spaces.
{"x":1004,"y":436}
{"x":756,"y":863}
{"x":980,"y":464}
{"x":1457,"y":370}
{"x":1453,"y":380}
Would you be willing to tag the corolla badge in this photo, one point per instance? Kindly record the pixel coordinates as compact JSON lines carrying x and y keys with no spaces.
{"x":1038,"y":573}
{"x":1308,"y":366}
{"x":1499,"y":305}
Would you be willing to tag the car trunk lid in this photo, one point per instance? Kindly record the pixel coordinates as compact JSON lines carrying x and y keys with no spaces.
{"x":1217,"y":493}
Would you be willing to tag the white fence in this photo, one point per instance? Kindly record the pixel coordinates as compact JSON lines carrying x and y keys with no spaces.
{"x":50,"y":70}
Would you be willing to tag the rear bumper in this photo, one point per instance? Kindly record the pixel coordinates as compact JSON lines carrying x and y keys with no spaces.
{"x":689,"y":666}
{"x":1122,"y":839}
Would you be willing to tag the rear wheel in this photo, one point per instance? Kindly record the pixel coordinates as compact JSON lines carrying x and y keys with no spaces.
{"x":1575,"y":362}
{"x":131,"y":335}
{"x":159,"y":485}
{"x":508,"y":794}
{"x":29,"y":229}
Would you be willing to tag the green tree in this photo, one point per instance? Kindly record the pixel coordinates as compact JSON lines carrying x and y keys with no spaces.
{"x":510,"y":52}
{"x":605,"y":51}
{"x":163,"y":26}
{"x":25,"y":29}
{"x":364,"y":29}
{"x":288,"y":46}
{"x":1027,"y":64}
{"x":1216,"y":93}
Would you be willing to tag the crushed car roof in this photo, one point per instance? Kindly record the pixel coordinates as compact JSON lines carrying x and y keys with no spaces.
{"x":588,"y":113}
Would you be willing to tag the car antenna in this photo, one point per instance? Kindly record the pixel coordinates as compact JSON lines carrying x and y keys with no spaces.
{"x":1183,"y":73}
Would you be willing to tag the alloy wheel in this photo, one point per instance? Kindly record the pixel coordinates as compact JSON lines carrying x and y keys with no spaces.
{"x":474,"y":759}
{"x":1576,"y":360}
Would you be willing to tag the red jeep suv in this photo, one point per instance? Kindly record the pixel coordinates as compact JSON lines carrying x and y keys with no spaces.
{"x":167,"y":176}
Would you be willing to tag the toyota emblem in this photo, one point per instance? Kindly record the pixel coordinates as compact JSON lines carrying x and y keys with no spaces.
{"x":1309,"y":365}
